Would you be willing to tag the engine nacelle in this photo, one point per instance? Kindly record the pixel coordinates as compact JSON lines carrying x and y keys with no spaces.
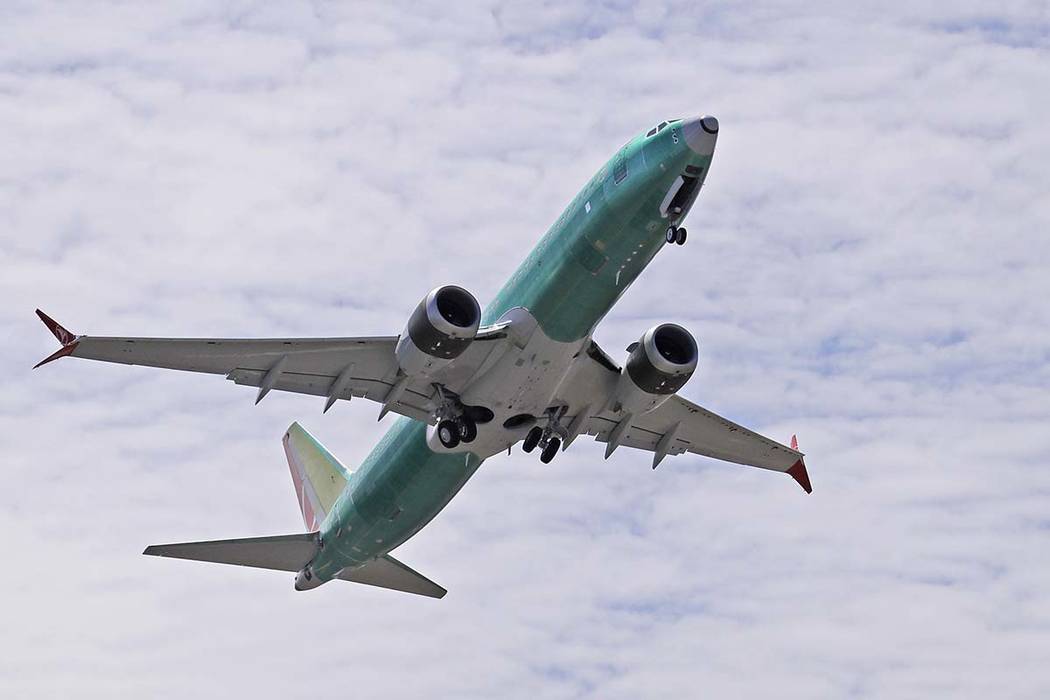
{"x":438,"y":331}
{"x":660,"y":364}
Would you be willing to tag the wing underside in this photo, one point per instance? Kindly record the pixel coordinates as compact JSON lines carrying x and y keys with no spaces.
{"x":333,"y":368}
{"x":675,"y":427}
{"x":680,"y":426}
{"x":342,"y":368}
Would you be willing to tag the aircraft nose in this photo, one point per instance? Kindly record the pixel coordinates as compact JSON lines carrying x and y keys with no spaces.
{"x":701,"y":133}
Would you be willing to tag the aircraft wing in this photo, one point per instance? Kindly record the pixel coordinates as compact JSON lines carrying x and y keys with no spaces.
{"x":335,"y":368}
{"x":672,"y":428}
{"x":679,"y":426}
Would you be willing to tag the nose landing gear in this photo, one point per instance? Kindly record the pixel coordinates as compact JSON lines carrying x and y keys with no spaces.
{"x":675,"y":234}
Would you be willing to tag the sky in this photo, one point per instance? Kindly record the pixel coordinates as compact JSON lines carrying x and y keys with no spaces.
{"x":868,"y":266}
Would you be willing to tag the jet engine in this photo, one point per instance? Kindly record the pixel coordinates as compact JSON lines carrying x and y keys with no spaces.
{"x":438,"y":331}
{"x":660,"y":364}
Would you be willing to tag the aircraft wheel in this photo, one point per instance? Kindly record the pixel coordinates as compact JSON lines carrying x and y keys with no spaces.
{"x":448,"y":434}
{"x":553,"y":445}
{"x":680,"y":236}
{"x":671,"y":235}
{"x":532,"y":439}
{"x":468,"y":429}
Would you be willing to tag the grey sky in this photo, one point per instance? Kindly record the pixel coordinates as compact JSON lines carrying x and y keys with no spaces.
{"x":868,"y":266}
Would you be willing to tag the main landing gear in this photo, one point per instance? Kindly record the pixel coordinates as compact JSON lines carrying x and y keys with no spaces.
{"x":676,"y":234}
{"x":453,"y":431}
{"x":549,"y":438}
{"x":533,"y":439}
{"x":457,"y":423}
{"x":553,"y":445}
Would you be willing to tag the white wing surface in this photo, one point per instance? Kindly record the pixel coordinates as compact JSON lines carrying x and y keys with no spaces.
{"x":674,"y":427}
{"x":335,"y":368}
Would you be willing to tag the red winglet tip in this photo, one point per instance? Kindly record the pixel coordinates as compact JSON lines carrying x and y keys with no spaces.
{"x":794,"y":443}
{"x":799,"y":474}
{"x":63,"y":335}
{"x":61,"y":352}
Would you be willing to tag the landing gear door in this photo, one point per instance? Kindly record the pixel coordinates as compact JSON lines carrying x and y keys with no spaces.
{"x":680,"y":195}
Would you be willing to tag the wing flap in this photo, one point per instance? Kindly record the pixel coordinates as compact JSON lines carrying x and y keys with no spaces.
{"x":708,"y":434}
{"x":701,"y":432}
{"x":636,"y":435}
{"x":413,"y":403}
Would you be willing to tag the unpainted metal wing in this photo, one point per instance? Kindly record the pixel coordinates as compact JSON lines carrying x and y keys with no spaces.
{"x":334,"y":368}
{"x":676,"y":426}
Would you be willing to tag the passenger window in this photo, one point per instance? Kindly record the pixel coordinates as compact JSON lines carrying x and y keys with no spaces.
{"x":620,"y":166}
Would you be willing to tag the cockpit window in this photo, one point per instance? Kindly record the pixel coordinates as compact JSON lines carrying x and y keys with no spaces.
{"x":660,"y":127}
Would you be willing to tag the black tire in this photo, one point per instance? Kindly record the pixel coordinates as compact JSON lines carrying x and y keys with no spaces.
{"x":553,"y":445}
{"x":680,"y":236}
{"x":468,"y":429}
{"x":448,"y":434}
{"x":671,"y":235}
{"x":532,"y":439}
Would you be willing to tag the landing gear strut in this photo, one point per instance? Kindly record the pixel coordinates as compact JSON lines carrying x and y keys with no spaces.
{"x":676,"y":234}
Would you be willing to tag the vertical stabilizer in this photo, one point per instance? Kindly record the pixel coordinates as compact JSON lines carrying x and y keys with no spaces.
{"x":318,"y":476}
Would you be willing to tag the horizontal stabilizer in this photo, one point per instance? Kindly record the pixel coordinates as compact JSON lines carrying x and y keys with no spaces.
{"x":387,"y":572}
{"x":280,"y":552}
{"x":292,"y":553}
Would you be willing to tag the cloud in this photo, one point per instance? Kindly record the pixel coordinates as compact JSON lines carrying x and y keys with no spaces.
{"x":867,"y":267}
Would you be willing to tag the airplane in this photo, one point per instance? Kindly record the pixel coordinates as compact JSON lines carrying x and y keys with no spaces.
{"x":469,"y":385}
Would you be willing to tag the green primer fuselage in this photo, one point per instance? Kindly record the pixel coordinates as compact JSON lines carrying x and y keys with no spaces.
{"x":569,"y":282}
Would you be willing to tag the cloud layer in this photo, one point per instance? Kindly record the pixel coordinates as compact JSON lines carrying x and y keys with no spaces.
{"x":868,"y":266}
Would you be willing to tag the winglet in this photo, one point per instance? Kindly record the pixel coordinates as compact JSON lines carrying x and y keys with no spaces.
{"x":68,"y":340}
{"x":798,"y":469}
{"x":799,"y":474}
{"x":64,"y":336}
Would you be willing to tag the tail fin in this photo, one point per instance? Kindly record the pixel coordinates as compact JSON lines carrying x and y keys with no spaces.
{"x":318,"y":476}
{"x":319,"y":479}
